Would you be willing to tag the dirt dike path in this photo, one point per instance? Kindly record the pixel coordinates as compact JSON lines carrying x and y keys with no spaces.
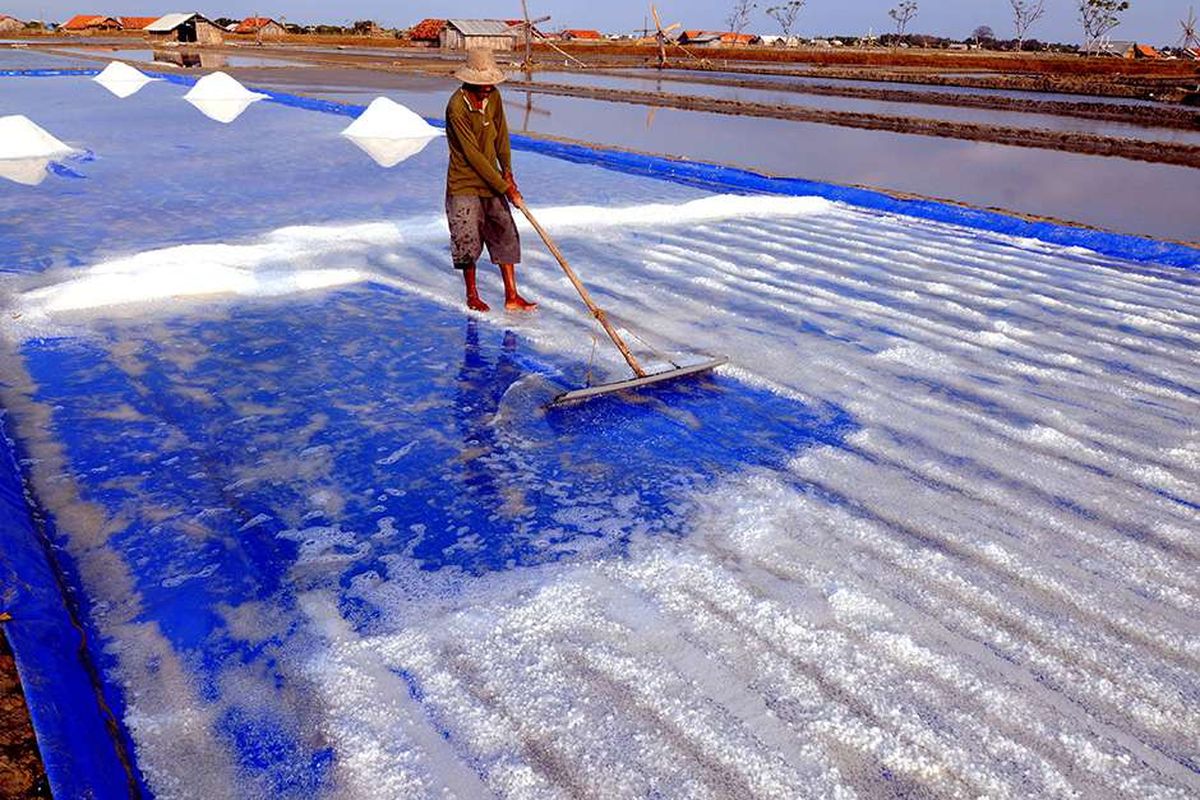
{"x":1168,"y":88}
{"x":1068,"y":141}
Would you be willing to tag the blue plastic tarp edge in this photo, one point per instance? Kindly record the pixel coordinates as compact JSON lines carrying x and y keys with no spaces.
{"x":76,"y":737}
{"x":714,"y":176}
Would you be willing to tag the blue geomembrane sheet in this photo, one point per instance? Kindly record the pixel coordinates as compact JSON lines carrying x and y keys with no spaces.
{"x":324,"y":540}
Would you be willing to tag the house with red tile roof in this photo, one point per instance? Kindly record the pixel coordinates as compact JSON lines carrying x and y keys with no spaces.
{"x":427,"y":32}
{"x":1130,"y":50}
{"x":581,"y":35}
{"x":135,"y":23}
{"x":89,"y":23}
{"x":263,"y":27}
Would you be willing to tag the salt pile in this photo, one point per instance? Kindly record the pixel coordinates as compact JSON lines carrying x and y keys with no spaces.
{"x":390,"y":133}
{"x":20,"y":137}
{"x":220,"y":97}
{"x":27,"y":149}
{"x":122,"y":79}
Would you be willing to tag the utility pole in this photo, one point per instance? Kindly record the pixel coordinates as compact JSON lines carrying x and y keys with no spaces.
{"x":528,"y":42}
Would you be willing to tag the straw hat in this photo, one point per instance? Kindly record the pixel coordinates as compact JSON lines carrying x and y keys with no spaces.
{"x":480,"y":69}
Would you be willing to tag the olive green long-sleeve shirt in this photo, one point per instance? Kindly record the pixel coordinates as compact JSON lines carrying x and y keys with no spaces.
{"x":480,"y":155}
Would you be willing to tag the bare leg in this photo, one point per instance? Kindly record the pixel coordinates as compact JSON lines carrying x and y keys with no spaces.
{"x":512,"y":299}
{"x":473,"y":301}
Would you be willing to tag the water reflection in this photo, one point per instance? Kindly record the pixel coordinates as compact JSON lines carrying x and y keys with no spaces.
{"x":191,"y":59}
{"x":26,"y":171}
{"x":224,"y":111}
{"x":489,"y":477}
{"x":390,"y":152}
{"x":528,"y":109}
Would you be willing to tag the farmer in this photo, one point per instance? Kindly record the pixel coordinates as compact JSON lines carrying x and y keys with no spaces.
{"x":480,"y":182}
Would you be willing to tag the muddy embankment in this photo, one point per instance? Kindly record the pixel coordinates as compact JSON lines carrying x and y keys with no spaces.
{"x":1169,"y":89}
{"x":1072,"y":142}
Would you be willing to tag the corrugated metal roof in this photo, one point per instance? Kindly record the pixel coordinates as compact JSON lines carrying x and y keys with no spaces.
{"x":481,"y":27}
{"x":169,"y":22}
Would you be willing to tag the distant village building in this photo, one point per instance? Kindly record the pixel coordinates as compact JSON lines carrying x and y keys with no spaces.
{"x":781,"y":41}
{"x":695,"y":38}
{"x":1130,"y":50}
{"x":468,"y":34}
{"x":427,"y":33}
{"x":185,"y":29}
{"x":88,"y":24}
{"x":718,"y":38}
{"x":581,"y":35}
{"x":262,"y":27}
{"x":10,"y":24}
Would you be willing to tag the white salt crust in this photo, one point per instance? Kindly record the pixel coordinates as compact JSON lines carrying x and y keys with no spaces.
{"x":989,"y":591}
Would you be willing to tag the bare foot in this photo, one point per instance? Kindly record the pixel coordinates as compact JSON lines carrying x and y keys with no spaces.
{"x":518,"y":303}
{"x":476,"y":304}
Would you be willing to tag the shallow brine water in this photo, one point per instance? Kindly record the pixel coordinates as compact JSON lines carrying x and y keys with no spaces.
{"x":885,"y":108}
{"x":933,"y":532}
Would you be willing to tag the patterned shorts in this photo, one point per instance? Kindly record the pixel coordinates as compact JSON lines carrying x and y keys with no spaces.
{"x":476,"y":221}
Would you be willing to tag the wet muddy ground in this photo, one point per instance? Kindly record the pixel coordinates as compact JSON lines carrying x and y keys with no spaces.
{"x":21,"y":774}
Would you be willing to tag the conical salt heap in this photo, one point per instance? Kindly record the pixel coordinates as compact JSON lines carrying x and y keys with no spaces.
{"x":122,"y":79}
{"x":390,"y":133}
{"x":220,"y":97}
{"x":26,"y":150}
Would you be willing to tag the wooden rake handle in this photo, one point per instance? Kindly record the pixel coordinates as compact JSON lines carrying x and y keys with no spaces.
{"x":597,"y":312}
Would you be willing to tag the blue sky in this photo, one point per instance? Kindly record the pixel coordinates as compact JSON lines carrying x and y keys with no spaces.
{"x":1155,"y":21}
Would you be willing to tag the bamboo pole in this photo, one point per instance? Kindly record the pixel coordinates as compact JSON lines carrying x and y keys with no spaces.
{"x":597,"y":312}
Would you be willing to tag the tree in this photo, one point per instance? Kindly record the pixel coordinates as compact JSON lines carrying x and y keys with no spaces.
{"x":905,"y":12}
{"x":1025,"y":13}
{"x":786,"y":15}
{"x":1098,"y":18}
{"x":739,"y":15}
{"x":983,"y":33}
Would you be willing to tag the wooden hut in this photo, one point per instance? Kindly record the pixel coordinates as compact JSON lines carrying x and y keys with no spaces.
{"x":185,"y":29}
{"x":10,"y":24}
{"x":468,"y":34}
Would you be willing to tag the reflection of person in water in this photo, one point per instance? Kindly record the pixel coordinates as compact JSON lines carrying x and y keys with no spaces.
{"x":487,"y":473}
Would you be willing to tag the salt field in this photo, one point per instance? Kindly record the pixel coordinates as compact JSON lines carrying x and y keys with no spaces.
{"x":932,"y":532}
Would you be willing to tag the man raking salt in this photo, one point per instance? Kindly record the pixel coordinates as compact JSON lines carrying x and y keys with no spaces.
{"x":480,"y":182}
{"x":479,"y":187}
